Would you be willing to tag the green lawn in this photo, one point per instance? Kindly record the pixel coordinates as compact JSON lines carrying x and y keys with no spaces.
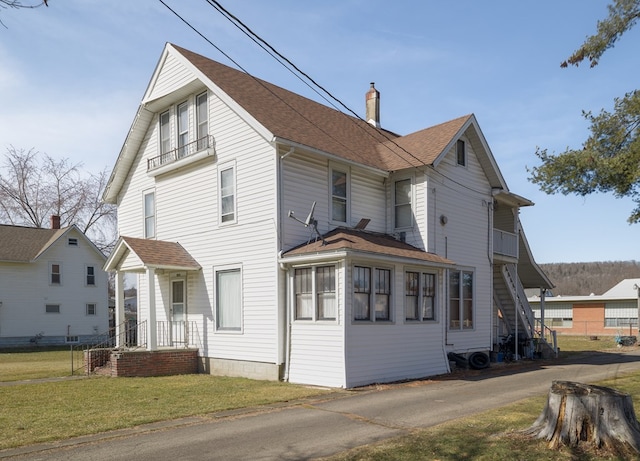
{"x":16,"y":365}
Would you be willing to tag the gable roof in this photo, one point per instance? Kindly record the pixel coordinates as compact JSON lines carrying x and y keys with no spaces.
{"x":157,"y":254}
{"x":26,"y":244}
{"x":349,"y":240}
{"x":286,"y":117}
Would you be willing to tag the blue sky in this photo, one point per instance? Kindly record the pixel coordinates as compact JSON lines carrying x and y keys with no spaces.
{"x":72,"y":76}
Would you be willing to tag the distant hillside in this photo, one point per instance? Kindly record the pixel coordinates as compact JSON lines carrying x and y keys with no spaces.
{"x":582,"y":279}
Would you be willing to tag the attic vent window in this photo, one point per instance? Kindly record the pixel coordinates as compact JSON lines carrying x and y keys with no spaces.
{"x":461,"y":153}
{"x":73,"y":242}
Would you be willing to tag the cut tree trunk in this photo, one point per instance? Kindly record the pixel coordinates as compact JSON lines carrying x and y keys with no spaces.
{"x":599,"y":416}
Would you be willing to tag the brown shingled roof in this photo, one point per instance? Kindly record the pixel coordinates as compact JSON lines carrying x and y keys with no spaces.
{"x":344,"y":238}
{"x":24,"y":244}
{"x":158,"y":253}
{"x":295,"y":118}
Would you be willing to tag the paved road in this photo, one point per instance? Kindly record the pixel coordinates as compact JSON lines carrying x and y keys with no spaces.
{"x":329,"y":425}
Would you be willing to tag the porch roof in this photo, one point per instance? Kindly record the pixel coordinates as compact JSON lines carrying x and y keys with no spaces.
{"x":137,"y":254}
{"x":344,"y":239}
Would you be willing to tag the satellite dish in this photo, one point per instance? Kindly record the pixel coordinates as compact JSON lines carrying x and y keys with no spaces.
{"x":309,"y":222}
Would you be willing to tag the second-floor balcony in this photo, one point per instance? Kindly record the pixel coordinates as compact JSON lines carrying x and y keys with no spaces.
{"x":183,"y":155}
{"x":505,"y":244}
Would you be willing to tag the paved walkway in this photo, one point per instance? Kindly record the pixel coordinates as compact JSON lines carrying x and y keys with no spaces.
{"x":331,"y":424}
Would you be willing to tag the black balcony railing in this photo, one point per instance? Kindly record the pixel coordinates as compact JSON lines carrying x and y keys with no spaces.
{"x":180,"y":153}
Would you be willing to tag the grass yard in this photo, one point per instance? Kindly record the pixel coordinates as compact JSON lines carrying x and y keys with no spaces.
{"x":16,"y":365}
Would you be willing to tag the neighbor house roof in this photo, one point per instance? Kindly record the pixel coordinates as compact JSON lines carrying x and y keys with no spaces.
{"x":26,"y":244}
{"x":344,"y":239}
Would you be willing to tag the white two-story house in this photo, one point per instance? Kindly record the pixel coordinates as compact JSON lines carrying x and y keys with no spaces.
{"x":288,"y":240}
{"x":53,"y":290}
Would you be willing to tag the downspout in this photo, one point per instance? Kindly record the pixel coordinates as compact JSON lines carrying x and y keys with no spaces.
{"x":445,"y":323}
{"x":287,"y":317}
{"x":516,"y":281}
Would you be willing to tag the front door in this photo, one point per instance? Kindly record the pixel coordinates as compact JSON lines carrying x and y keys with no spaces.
{"x":178,"y":327}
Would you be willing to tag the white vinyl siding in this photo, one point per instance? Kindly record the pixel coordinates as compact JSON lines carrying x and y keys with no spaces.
{"x":187,"y":206}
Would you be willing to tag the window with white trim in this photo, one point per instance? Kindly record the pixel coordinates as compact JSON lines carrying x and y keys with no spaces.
{"x":55,"y":273}
{"x":183,"y":128}
{"x":149,"y":215}
{"x":165,"y":132}
{"x":227,"y":195}
{"x":202,"y":120}
{"x":90,"y":279}
{"x":52,"y":308}
{"x":402,"y":204}
{"x":339,"y":196}
{"x":371,"y":296}
{"x":461,"y":303}
{"x":315,"y":293}
{"x":91,"y":309}
{"x":228,"y":299}
{"x":420,"y":296}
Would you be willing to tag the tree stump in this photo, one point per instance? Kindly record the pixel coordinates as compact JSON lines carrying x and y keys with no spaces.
{"x":599,"y":416}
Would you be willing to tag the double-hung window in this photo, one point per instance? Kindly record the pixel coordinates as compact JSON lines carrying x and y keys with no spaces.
{"x":91,"y":309}
{"x":90,"y":276}
{"x":420,"y":296}
{"x":229,"y":299}
{"x":202,"y":121}
{"x":183,"y":129}
{"x":371,"y":294}
{"x":460,"y":300}
{"x":55,"y":274}
{"x":165,"y":133}
{"x":402,"y":203}
{"x":339,"y":199}
{"x":227,"y":191}
{"x":149,"y":215}
{"x":315,"y":293}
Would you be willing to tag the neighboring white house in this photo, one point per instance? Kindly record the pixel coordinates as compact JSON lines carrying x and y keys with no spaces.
{"x":303,"y":244}
{"x":53,"y":290}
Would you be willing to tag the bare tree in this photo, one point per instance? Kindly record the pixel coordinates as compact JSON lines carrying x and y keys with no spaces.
{"x":35,"y":186}
{"x":19,"y":4}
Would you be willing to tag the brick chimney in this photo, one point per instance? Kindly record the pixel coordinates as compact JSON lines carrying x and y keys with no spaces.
{"x":372,"y":100}
{"x":55,"y":222}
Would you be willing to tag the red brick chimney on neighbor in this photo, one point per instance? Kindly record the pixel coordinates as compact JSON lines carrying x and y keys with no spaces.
{"x":55,"y":222}
{"x":373,"y":106}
